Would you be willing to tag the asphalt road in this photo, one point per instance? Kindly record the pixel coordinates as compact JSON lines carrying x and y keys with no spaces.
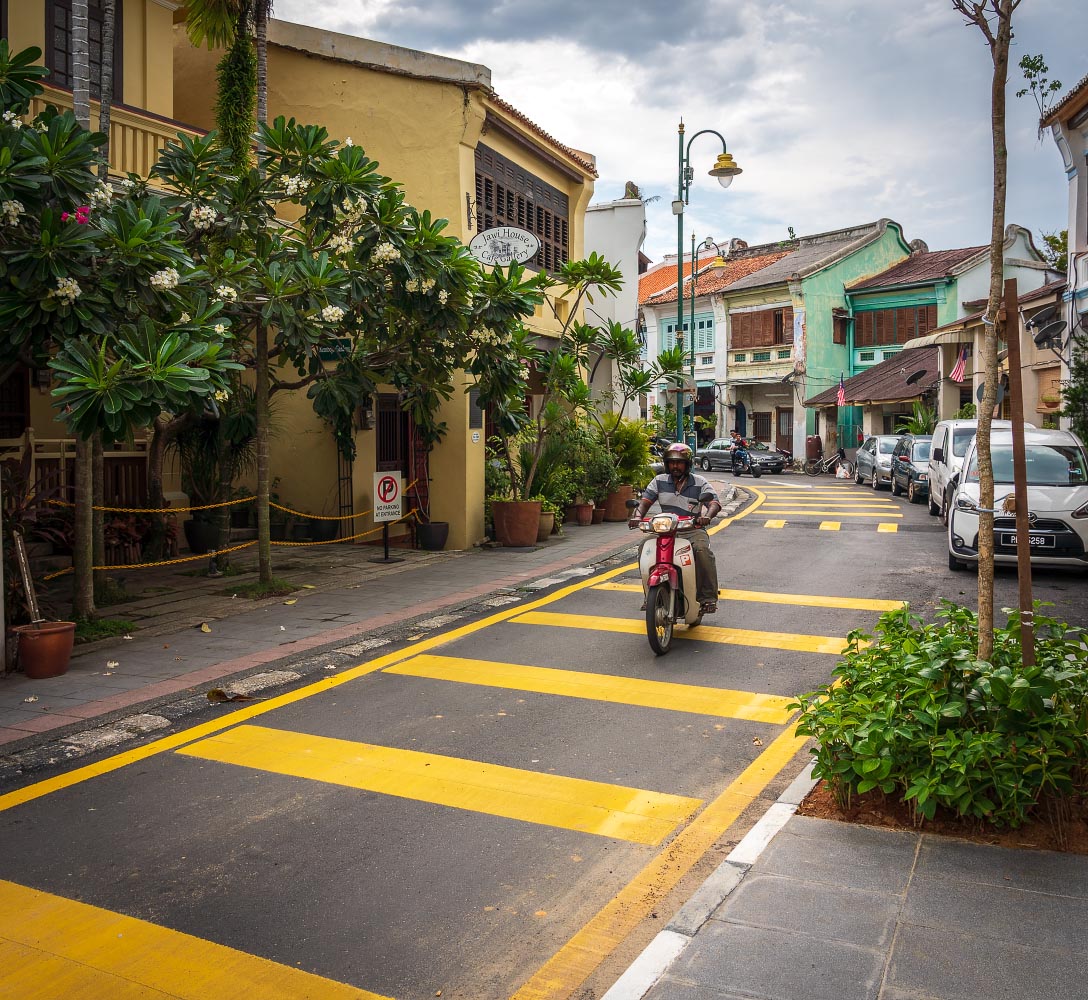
{"x":508,"y":809}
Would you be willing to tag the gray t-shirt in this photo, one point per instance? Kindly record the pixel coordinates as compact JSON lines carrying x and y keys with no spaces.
{"x":695,"y":490}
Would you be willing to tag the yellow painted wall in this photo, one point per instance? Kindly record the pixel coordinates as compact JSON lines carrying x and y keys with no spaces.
{"x":423,"y":133}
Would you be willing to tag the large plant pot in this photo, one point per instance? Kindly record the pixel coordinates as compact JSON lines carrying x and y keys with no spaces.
{"x":547,"y":522}
{"x":433,"y":535}
{"x":615,"y":504}
{"x":45,"y":648}
{"x":516,"y":522}
{"x":322,"y":530}
{"x":598,"y":514}
{"x":583,"y":514}
{"x":201,"y":536}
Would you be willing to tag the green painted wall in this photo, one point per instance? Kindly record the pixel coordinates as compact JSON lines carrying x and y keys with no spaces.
{"x":824,"y":291}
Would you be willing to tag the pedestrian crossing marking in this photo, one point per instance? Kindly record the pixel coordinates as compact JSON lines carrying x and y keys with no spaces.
{"x":830,"y":525}
{"x":706,"y":633}
{"x":832,"y":513}
{"x":888,"y":528}
{"x":774,"y":524}
{"x":827,"y":502}
{"x":770,"y":597}
{"x":53,"y":948}
{"x":723,"y":702}
{"x":632,"y":814}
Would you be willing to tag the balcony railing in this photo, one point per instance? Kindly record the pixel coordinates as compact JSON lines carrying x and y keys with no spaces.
{"x":136,"y":137}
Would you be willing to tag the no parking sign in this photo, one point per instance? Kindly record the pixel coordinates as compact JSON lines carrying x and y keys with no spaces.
{"x":388,"y":497}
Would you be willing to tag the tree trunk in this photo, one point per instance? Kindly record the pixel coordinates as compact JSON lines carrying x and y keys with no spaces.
{"x":109,"y":19}
{"x":998,"y":36}
{"x":98,"y":516}
{"x":226,"y":484}
{"x":262,"y":10}
{"x":264,"y":544}
{"x":83,"y":548}
{"x":81,"y":64}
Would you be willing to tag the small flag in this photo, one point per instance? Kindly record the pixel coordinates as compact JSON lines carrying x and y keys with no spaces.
{"x":840,"y":399}
{"x":957,"y":373}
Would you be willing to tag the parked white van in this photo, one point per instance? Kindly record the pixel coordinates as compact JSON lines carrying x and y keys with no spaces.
{"x":950,"y":441}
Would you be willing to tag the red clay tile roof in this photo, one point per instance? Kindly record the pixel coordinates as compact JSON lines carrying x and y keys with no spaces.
{"x":887,"y":381}
{"x":550,"y":139}
{"x":662,"y":276}
{"x":1055,"y":112}
{"x":918,"y":268}
{"x":715,"y":277}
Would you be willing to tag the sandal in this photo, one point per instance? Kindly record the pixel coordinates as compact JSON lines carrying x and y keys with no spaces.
{"x":708,"y":608}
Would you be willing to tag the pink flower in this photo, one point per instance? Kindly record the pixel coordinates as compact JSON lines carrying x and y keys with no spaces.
{"x":64,"y":216}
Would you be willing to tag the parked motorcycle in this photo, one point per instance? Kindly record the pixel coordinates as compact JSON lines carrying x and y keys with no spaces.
{"x":667,"y":568}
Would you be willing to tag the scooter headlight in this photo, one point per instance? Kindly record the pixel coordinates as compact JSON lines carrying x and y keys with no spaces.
{"x":662,"y":524}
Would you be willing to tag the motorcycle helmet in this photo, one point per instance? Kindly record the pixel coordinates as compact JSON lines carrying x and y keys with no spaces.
{"x":678,"y":452}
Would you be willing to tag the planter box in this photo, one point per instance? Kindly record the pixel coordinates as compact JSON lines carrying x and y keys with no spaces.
{"x":516,"y":522}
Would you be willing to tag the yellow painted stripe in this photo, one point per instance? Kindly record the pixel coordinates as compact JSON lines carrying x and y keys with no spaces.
{"x":569,"y":968}
{"x":888,"y":528}
{"x":774,"y":524}
{"x":834,"y":513}
{"x":704,"y":633}
{"x":114,"y":763}
{"x":827,"y":502}
{"x":53,"y":948}
{"x":601,"y":687}
{"x":768,"y":597}
{"x":632,"y":814}
{"x":830,"y":525}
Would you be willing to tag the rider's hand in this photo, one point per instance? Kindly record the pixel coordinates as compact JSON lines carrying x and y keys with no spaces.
{"x":702,"y":520}
{"x":634,"y":521}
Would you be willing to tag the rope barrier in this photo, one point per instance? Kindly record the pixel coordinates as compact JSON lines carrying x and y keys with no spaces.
{"x":412,"y":514}
{"x":225,"y":503}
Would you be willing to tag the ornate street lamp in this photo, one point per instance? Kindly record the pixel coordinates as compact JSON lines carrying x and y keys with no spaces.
{"x":725,"y":169}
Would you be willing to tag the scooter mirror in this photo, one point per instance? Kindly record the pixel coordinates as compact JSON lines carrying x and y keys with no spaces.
{"x":632,"y":505}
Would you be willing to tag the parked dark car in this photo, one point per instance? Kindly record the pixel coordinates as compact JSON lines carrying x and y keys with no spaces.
{"x":910,"y":467}
{"x":719,"y":455}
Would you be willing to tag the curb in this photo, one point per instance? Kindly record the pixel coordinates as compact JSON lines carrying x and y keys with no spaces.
{"x":659,"y":954}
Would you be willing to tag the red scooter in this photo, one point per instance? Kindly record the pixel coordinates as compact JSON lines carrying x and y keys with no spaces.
{"x":668,"y":577}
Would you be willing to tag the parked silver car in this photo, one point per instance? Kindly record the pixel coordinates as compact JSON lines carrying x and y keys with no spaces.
{"x":873,"y":461}
{"x":1057,"y":496}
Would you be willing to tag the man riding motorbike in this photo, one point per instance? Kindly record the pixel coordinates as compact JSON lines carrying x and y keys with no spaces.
{"x":678,"y":491}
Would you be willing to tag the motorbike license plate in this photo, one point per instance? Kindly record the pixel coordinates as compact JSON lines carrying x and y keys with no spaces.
{"x":1034,"y":541}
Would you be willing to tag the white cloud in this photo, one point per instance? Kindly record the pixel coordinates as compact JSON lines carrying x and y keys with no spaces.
{"x":839,"y":111}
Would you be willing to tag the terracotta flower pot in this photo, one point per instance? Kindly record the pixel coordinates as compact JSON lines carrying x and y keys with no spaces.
{"x":516,"y":522}
{"x":547,"y":522}
{"x":45,"y":648}
{"x":598,"y":514}
{"x":583,"y":513}
{"x":615,"y":504}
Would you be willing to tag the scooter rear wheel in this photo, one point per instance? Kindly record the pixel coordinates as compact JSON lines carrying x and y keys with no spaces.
{"x":658,"y":623}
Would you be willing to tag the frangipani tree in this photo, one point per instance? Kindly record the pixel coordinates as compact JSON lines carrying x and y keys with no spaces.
{"x":95,"y":285}
{"x":312,"y":245}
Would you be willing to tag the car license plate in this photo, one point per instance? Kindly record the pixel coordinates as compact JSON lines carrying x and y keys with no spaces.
{"x":1034,"y":541}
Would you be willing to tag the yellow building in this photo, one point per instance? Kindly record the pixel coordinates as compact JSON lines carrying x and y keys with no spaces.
{"x":435,"y":125}
{"x":142,"y":123}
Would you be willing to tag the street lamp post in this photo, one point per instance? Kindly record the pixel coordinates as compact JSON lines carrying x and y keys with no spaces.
{"x":725,"y":169}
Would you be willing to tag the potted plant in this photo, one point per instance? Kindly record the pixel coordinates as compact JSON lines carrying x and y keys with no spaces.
{"x":42,"y":648}
{"x":629,"y":443}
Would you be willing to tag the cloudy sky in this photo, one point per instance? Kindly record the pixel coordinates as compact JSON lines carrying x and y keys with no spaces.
{"x":839,"y":111}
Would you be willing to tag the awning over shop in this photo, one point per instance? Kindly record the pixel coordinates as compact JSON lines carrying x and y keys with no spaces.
{"x":957,"y":336}
{"x":887,"y":381}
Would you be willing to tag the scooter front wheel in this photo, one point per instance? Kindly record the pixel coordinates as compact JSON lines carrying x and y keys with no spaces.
{"x":659,"y":621}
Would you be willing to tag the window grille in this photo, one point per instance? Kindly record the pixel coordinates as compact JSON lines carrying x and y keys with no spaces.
{"x":761,"y":355}
{"x":867,"y":356}
{"x":740,"y":357}
{"x":58,"y":34}
{"x":506,"y":195}
{"x":783,"y":354}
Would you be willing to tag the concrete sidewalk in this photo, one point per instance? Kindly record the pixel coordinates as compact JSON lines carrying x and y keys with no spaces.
{"x":344,"y":597}
{"x":812,"y":909}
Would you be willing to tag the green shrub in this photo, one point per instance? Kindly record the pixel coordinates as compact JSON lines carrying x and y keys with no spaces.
{"x":915,"y":714}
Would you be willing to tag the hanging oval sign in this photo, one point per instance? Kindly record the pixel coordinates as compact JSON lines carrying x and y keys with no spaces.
{"x":504,"y":245}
